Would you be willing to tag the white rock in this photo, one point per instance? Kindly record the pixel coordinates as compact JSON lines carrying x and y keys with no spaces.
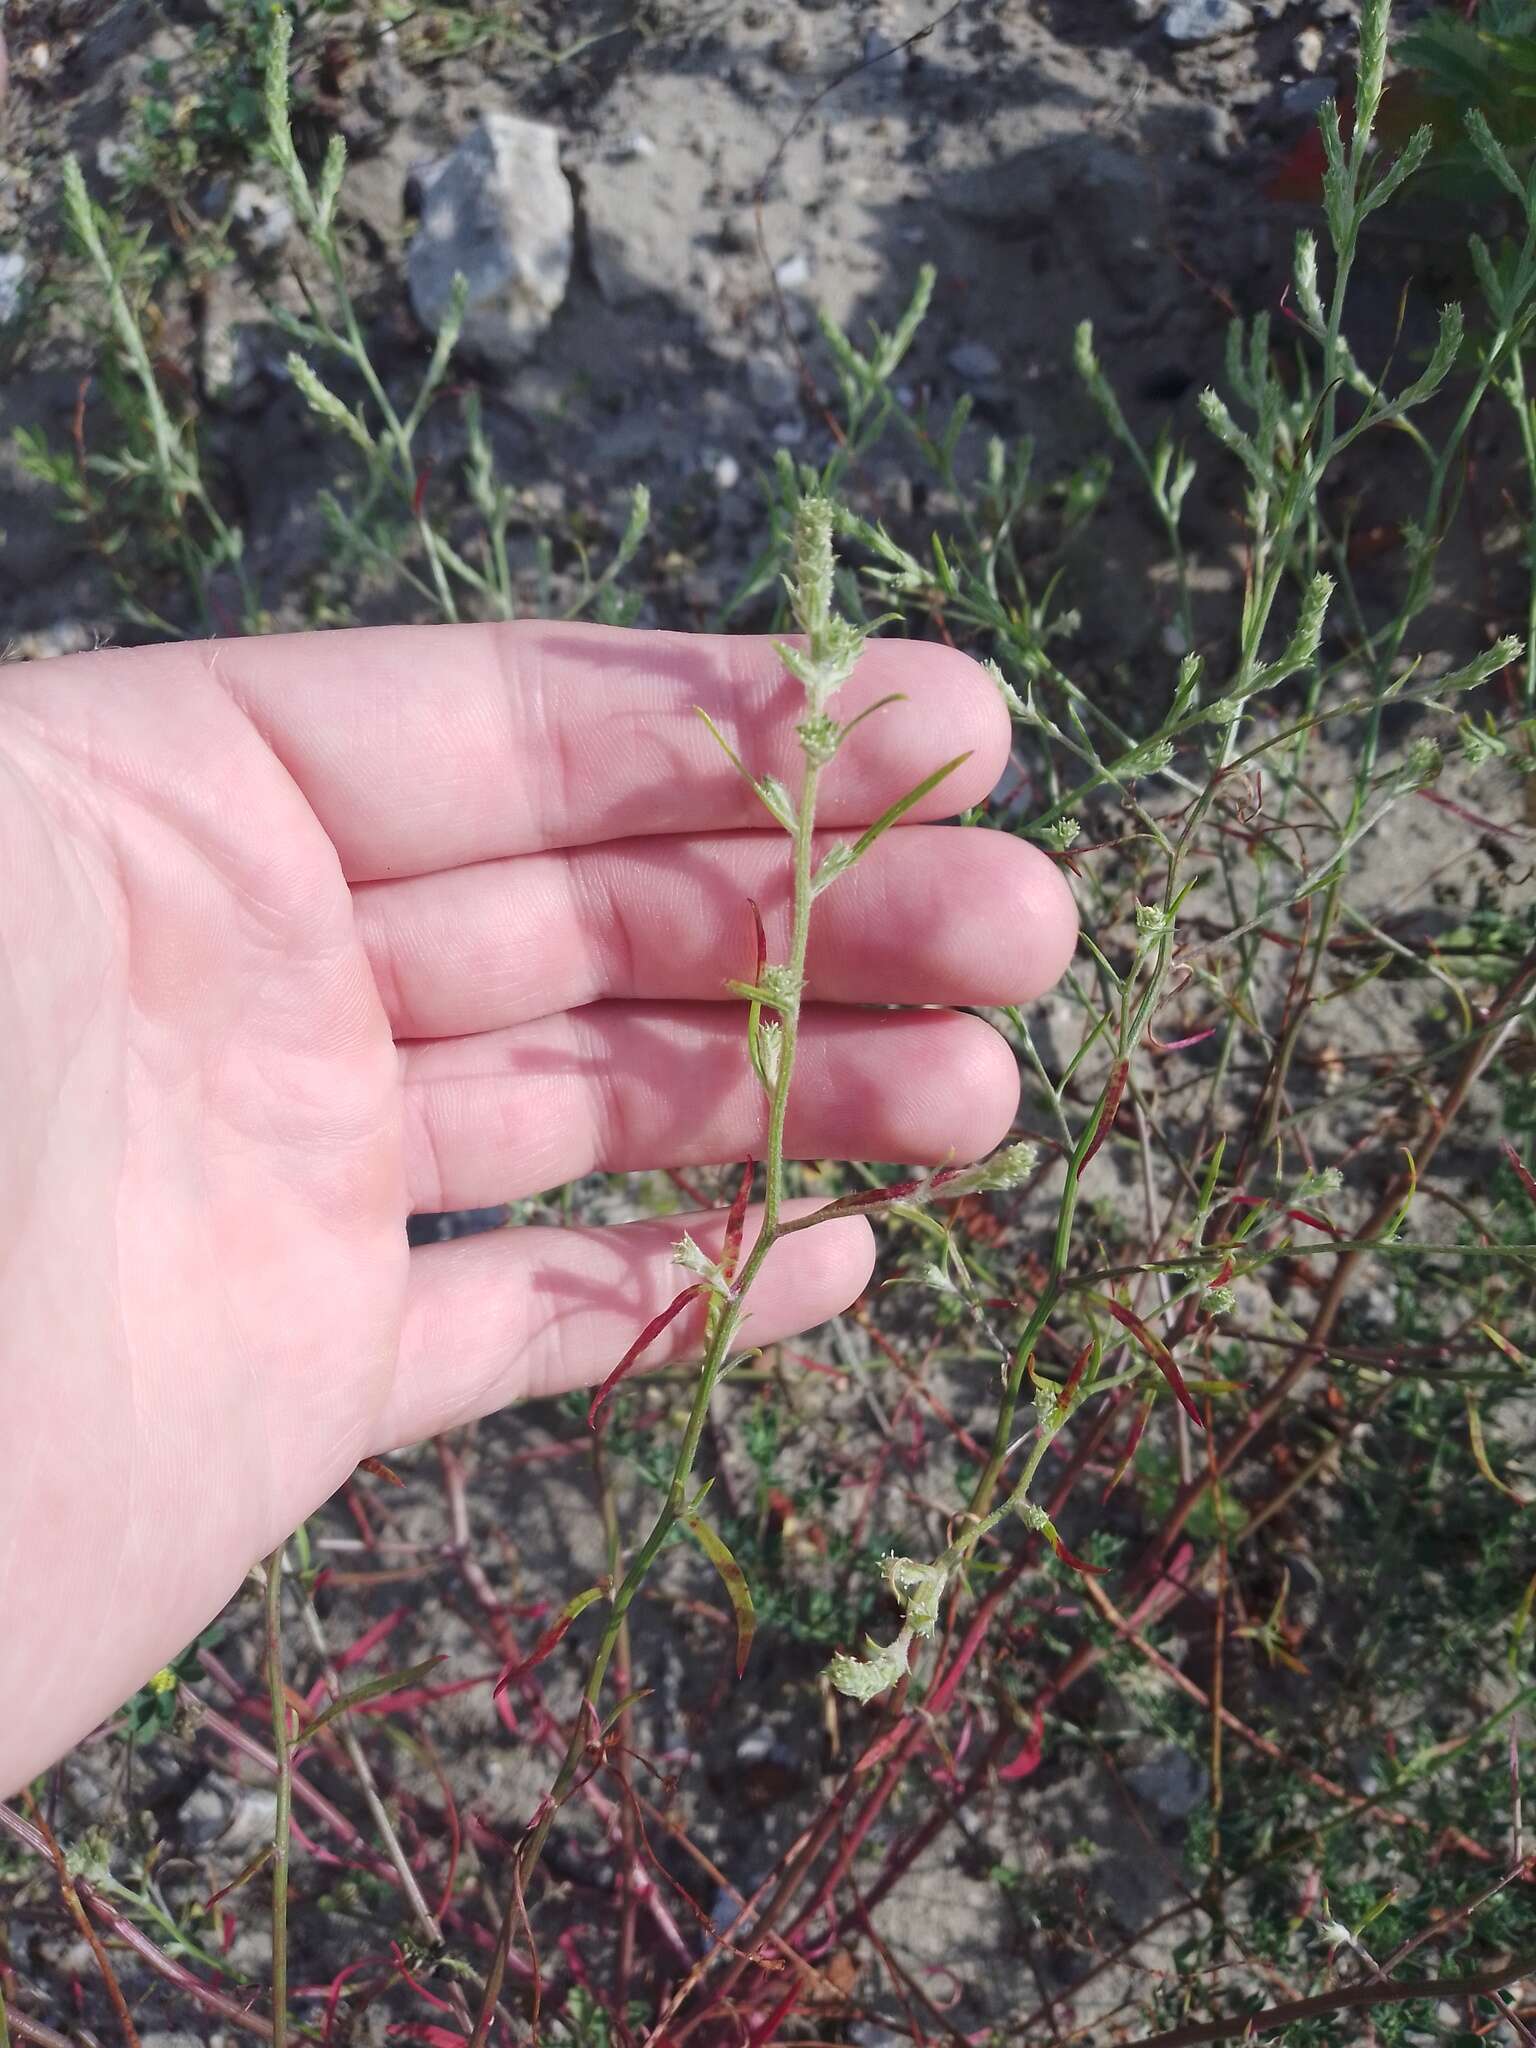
{"x":259,"y":219}
{"x":1171,"y":1782}
{"x":230,"y":347}
{"x":793,"y":272}
{"x":974,"y":361}
{"x":1307,"y":50}
{"x":1143,"y":11}
{"x":638,"y":144}
{"x":1206,"y":21}
{"x":499,"y":210}
{"x":237,"y":1821}
{"x":726,"y":471}
{"x":13,"y":278}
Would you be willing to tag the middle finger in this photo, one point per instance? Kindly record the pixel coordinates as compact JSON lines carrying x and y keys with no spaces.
{"x":932,"y":914}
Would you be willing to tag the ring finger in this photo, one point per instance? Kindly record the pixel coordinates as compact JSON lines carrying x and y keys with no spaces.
{"x":626,"y":1087}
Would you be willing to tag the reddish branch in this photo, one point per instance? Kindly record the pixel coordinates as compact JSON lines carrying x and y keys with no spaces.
{"x":123,"y":1929}
{"x":1249,"y":2026}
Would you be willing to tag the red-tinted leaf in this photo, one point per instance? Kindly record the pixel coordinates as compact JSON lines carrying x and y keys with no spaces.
{"x":761,"y":937}
{"x":370,"y":1639}
{"x":520,"y":1667}
{"x":642,"y":1343}
{"x":1471,"y":817}
{"x":1028,"y":1758}
{"x":1110,"y":1111}
{"x":416,"y":1985}
{"x":1079,"y":1367}
{"x":1179,"y":1044}
{"x":1523,"y":1173}
{"x":419,"y":494}
{"x":1129,"y":1452}
{"x":870,"y":1198}
{"x":1073,"y":1561}
{"x":734,"y":1579}
{"x":736,"y":1222}
{"x":380,"y":1470}
{"x":1294,"y":1215}
{"x":1160,"y":1356}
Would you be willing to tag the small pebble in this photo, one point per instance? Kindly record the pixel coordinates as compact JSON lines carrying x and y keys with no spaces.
{"x":1307,"y":50}
{"x":1219,"y":134}
{"x":791,"y":52}
{"x":974,"y":361}
{"x":638,"y":144}
{"x":13,"y":278}
{"x":726,"y":472}
{"x":793,"y":272}
{"x":1206,"y":21}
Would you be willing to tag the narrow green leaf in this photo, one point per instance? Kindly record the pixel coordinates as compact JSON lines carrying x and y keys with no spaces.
{"x":630,"y":1699}
{"x":771,"y":794}
{"x":258,"y":1861}
{"x":1522,"y":1622}
{"x":370,"y":1689}
{"x":895,"y":697}
{"x":904,"y":804}
{"x":1480,"y":1456}
{"x":552,"y":1636}
{"x":734,"y":1580}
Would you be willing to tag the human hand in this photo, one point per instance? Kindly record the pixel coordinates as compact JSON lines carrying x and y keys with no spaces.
{"x":300,"y":935}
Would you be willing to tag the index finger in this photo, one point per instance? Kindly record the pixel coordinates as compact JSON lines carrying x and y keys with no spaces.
{"x":427,"y":747}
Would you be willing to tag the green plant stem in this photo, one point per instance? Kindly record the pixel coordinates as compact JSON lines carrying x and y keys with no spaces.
{"x":724,"y":1327}
{"x":282,"y":1824}
{"x":394,"y":427}
{"x":1525,"y":416}
{"x":178,"y":478}
{"x":980,"y":1502}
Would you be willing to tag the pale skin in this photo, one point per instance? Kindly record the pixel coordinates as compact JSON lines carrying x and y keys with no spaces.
{"x":298,"y":936}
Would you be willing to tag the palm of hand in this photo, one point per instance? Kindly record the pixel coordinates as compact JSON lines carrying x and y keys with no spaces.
{"x":209,"y":1267}
{"x":293,"y":952}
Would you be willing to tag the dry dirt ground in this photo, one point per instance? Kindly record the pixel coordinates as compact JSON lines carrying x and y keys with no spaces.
{"x":1055,"y":159}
